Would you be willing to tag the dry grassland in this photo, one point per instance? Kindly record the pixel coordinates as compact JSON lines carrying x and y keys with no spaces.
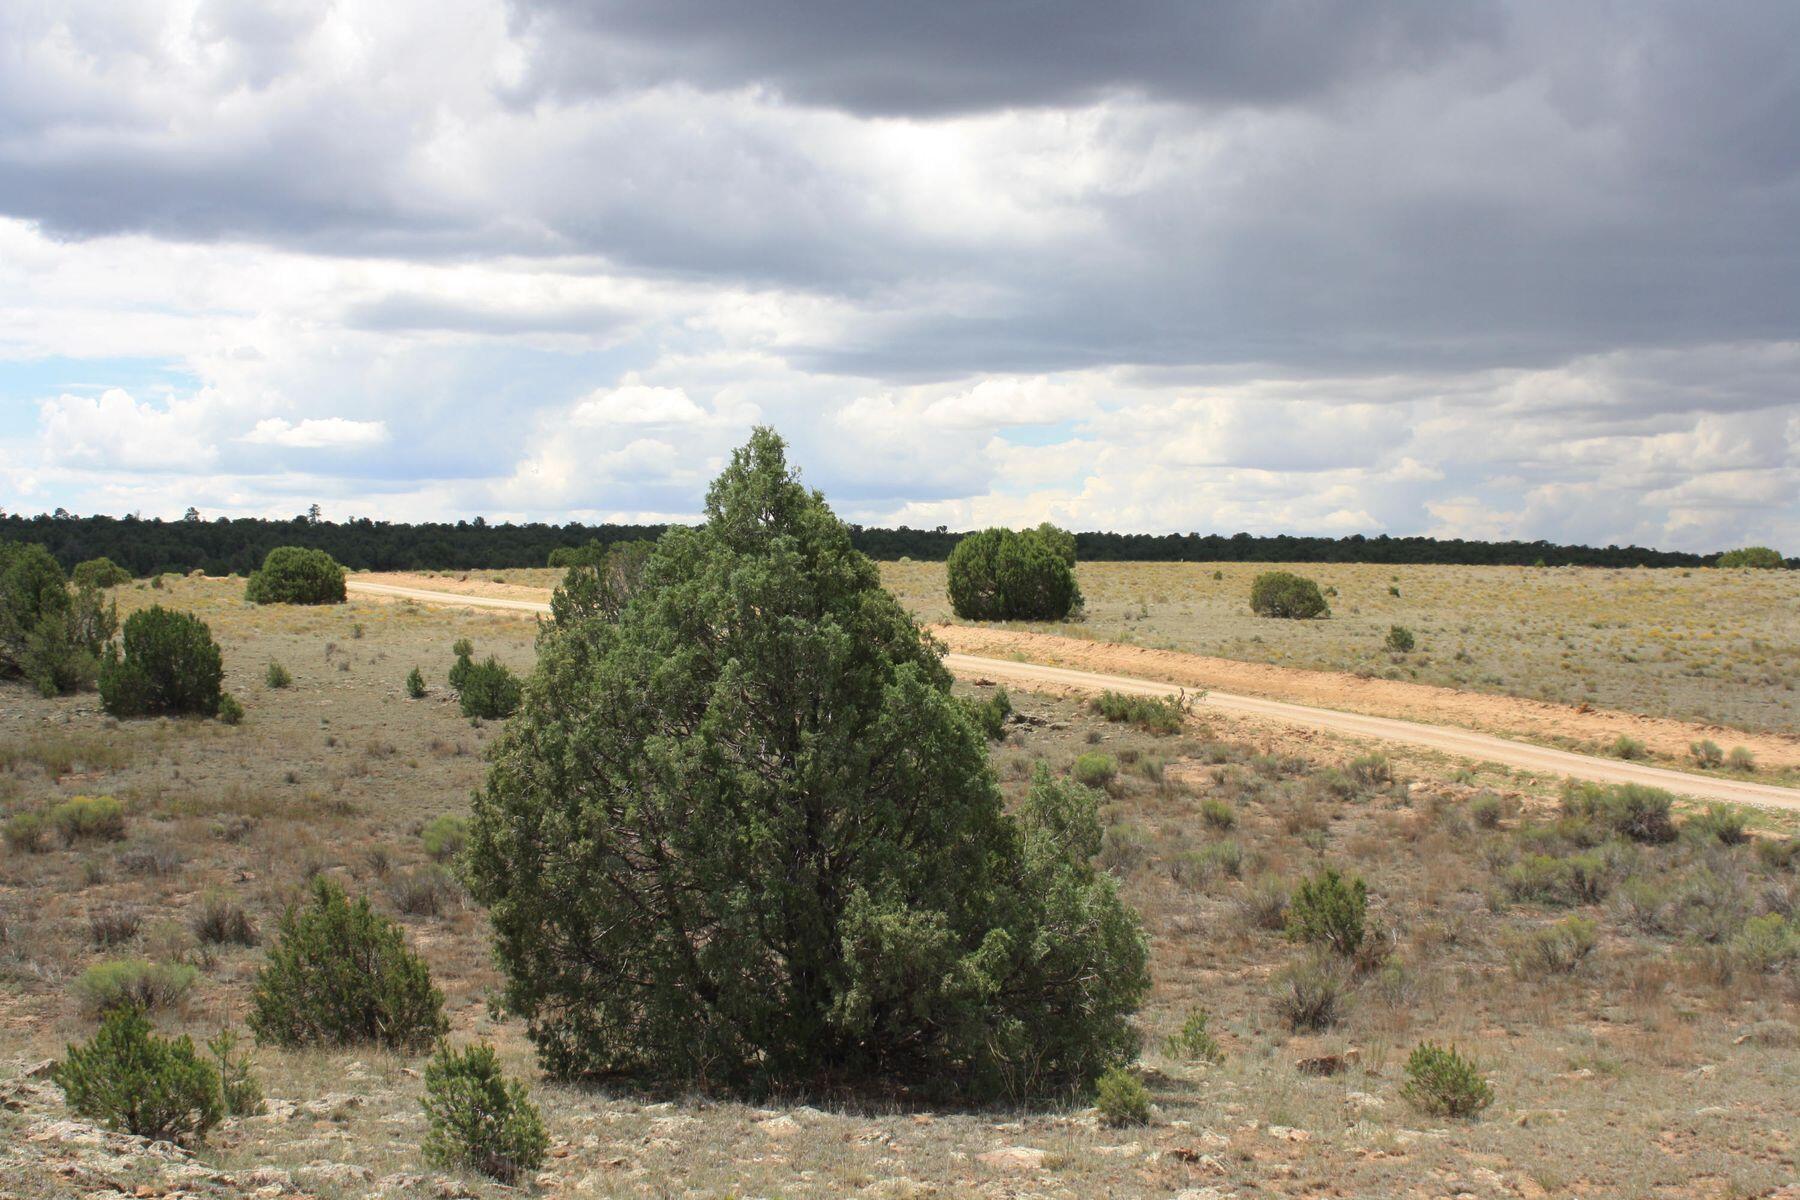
{"x":1663,"y":1063}
{"x":1702,"y":645}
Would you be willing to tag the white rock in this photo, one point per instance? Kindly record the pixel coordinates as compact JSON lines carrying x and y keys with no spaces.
{"x":1014,"y":1158}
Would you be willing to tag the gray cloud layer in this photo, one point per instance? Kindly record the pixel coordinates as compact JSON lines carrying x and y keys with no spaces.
{"x":942,"y":57}
{"x":1485,"y":217}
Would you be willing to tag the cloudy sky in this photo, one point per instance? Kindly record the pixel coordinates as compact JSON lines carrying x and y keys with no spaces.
{"x":1471,"y":269}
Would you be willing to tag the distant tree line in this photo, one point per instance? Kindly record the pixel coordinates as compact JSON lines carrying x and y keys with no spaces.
{"x":238,"y":545}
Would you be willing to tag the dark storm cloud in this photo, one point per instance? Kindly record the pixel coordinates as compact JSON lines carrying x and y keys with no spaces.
{"x":1378,"y":184}
{"x":938,"y":57}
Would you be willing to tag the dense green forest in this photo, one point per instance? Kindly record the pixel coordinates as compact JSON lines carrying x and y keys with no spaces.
{"x":225,"y":545}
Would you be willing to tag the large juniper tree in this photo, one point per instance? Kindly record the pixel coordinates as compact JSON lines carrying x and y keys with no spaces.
{"x":740,"y":833}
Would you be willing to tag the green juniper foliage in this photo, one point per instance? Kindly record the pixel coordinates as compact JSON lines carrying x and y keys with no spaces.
{"x":1761,"y":557}
{"x":1122,"y":1098}
{"x":1284,"y":594}
{"x":415,"y":684}
{"x":1443,"y":1083}
{"x":600,"y":582}
{"x":340,"y":973}
{"x":170,"y":664}
{"x":742,"y":834}
{"x":132,"y":1080}
{"x":990,"y":715}
{"x":99,"y":573}
{"x":296,"y":575}
{"x":478,"y":1118}
{"x":1329,"y":910}
{"x":464,"y":650}
{"x":1008,"y":575}
{"x":47,"y":635}
{"x":488,"y":689}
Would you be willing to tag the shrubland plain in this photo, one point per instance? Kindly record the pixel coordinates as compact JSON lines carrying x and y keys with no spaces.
{"x":1694,"y":644}
{"x":1623,"y":978}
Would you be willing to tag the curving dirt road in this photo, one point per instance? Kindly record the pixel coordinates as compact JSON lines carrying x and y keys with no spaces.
{"x":1461,"y":742}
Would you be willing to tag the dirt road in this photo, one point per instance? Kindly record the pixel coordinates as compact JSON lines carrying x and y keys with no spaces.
{"x":1460,"y":742}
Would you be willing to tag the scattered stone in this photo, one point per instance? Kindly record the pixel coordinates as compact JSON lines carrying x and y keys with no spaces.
{"x":1014,"y":1158}
{"x":338,"y":1172}
{"x":332,"y":1103}
{"x":1409,"y":1137}
{"x":1364,"y":1101}
{"x":782,"y":1126}
{"x":1288,"y":1134}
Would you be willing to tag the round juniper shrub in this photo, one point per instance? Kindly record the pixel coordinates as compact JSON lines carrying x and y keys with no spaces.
{"x":1759,"y":557}
{"x":340,"y":973}
{"x":99,"y":573}
{"x":1011,"y":575}
{"x":739,"y":831}
{"x":130,"y":1079}
{"x":169,"y":664}
{"x":1284,"y":594}
{"x":296,"y":575}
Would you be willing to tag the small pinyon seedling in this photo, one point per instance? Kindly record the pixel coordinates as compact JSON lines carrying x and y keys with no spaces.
{"x":479,"y":1118}
{"x":1442,"y":1083}
{"x":129,"y":1079}
{"x":1193,"y":1041}
{"x":239,"y":1090}
{"x":415,"y":684}
{"x":1122,"y":1098}
{"x":1329,"y":910}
